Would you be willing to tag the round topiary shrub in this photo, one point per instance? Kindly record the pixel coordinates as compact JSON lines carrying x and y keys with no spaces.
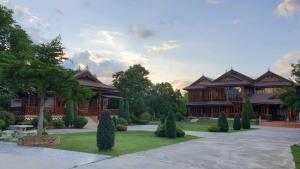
{"x":121,"y":121}
{"x":170,"y":126}
{"x":121,"y":127}
{"x":80,"y":122}
{"x":213,"y":128}
{"x":2,"y":124}
{"x":223,"y":123}
{"x":237,"y":122}
{"x":105,"y":132}
{"x":35,"y":122}
{"x":59,"y":124}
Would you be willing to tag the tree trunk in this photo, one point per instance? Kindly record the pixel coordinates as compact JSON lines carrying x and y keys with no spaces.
{"x":41,"y":115}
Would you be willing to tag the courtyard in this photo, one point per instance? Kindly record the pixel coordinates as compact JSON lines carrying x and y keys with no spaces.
{"x":264,"y":148}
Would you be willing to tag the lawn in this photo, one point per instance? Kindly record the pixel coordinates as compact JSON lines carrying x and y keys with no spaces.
{"x":296,"y":153}
{"x":126,"y":142}
{"x":201,"y":125}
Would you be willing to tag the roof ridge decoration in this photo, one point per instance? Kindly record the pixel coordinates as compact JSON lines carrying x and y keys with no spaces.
{"x":236,"y":75}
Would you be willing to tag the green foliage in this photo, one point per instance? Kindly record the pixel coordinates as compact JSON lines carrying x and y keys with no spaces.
{"x":269,"y":117}
{"x":246,"y":114}
{"x":8,"y":117}
{"x":126,"y":109}
{"x":237,"y":122}
{"x":161,"y":131}
{"x":137,"y":120}
{"x":48,"y":116}
{"x":145,"y":116}
{"x":121,"y":127}
{"x":69,"y":114}
{"x":121,"y":121}
{"x":170,"y":126}
{"x":213,"y":128}
{"x":296,"y":154}
{"x":80,"y":122}
{"x":59,"y":124}
{"x":291,"y":98}
{"x":134,"y":86}
{"x":2,"y":124}
{"x":28,"y":122}
{"x":121,"y":112}
{"x":105,"y":132}
{"x":35,"y":121}
{"x":223,"y":123}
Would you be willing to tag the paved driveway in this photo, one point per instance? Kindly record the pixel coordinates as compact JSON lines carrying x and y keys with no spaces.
{"x":264,"y":148}
{"x":22,"y":157}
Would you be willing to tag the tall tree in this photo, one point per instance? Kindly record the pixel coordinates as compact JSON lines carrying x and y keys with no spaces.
{"x":133,"y":85}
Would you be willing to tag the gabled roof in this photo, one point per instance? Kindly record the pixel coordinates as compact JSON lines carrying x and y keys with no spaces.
{"x":232,"y":77}
{"x":264,"y":98}
{"x":85,"y":78}
{"x":202,"y":82}
{"x":271,"y":79}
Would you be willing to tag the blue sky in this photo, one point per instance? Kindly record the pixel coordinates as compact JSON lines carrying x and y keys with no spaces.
{"x":177,"y":40}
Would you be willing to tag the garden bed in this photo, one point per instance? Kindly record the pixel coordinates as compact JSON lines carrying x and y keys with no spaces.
{"x":39,"y":141}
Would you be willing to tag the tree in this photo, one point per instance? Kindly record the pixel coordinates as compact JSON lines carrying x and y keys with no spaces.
{"x":105,"y":132}
{"x":237,"y":122}
{"x":223,"y":123}
{"x":246,"y":114}
{"x":121,"y":109}
{"x":69,"y":114}
{"x":133,"y":84}
{"x":126,"y":111}
{"x":170,"y":126}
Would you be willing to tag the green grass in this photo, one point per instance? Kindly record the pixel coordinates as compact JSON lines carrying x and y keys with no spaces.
{"x":296,"y":153}
{"x":126,"y":142}
{"x":202,"y":125}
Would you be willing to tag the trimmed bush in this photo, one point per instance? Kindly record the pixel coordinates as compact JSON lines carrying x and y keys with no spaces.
{"x":105,"y":132}
{"x":161,"y":130}
{"x":2,"y":124}
{"x":145,"y":116}
{"x":69,"y":114}
{"x":213,"y":128}
{"x":223,"y":123}
{"x":237,"y":122}
{"x":245,"y":120}
{"x":59,"y":124}
{"x":48,"y":116}
{"x":80,"y":122}
{"x":35,"y":122}
{"x":170,"y":126}
{"x":122,"y":121}
{"x":121,"y":127}
{"x":8,"y":117}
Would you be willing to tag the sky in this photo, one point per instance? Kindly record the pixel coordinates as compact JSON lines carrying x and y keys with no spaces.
{"x":176,"y":40}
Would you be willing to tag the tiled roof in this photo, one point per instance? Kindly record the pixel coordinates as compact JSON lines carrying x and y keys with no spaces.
{"x":264,"y":99}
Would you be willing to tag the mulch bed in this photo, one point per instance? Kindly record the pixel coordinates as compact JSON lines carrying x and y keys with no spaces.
{"x":39,"y":141}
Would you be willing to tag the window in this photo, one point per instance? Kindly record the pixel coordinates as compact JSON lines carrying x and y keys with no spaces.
{"x":16,"y":103}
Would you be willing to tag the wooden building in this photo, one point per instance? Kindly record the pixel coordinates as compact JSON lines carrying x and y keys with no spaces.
{"x":26,"y":106}
{"x":208,"y":97}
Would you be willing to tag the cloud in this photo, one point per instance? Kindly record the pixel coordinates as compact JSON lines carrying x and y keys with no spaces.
{"x":34,"y":25}
{"x":212,"y":2}
{"x":236,"y":21}
{"x":99,"y":65}
{"x":163,"y":47}
{"x":141,"y":31}
{"x":288,"y":7}
{"x":180,"y":84}
{"x":283,"y":65}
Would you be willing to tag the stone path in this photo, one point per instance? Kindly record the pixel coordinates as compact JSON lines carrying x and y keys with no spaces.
{"x":264,"y":148}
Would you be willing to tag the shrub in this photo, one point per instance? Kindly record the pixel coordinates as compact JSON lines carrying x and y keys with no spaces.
{"x":247,"y":114}
{"x":59,"y":124}
{"x":80,"y":122}
{"x":237,"y":122}
{"x":121,"y":127}
{"x":69,"y":114}
{"x":137,"y":120}
{"x":8,"y":117}
{"x":105,"y":132}
{"x":28,"y":122}
{"x":269,"y":117}
{"x":180,"y":133}
{"x":170,"y":126}
{"x":48,"y":117}
{"x":223,"y":123}
{"x":145,"y":116}
{"x":161,"y":130}
{"x":35,"y":122}
{"x":2,"y":124}
{"x":213,"y":128}
{"x":114,"y":121}
{"x":122,"y":121}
